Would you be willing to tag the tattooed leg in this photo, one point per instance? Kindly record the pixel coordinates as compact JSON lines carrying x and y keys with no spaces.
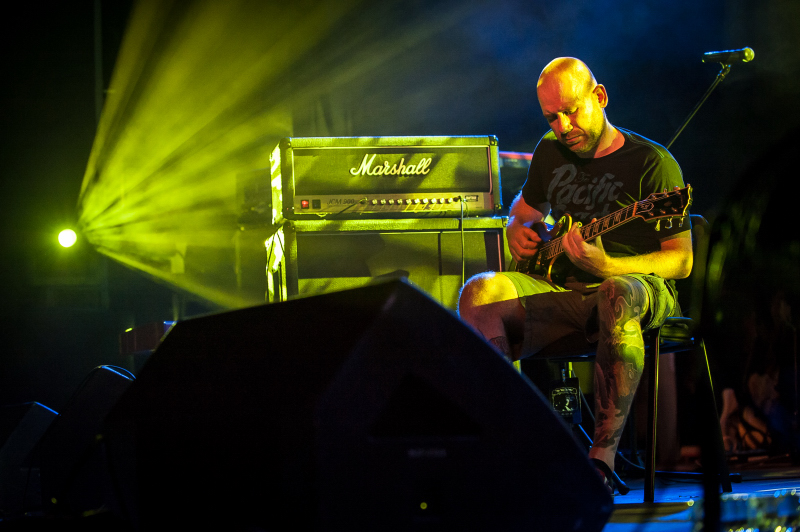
{"x":622,"y":302}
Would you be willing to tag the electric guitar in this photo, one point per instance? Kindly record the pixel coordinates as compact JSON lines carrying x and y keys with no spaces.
{"x":654,"y":208}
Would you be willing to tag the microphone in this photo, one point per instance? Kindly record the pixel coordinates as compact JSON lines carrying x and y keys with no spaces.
{"x":727,"y":57}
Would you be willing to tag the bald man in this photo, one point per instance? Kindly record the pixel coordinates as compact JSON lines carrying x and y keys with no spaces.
{"x":614,"y":287}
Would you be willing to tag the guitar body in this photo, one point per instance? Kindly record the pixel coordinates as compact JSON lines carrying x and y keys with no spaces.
{"x":551,"y":269}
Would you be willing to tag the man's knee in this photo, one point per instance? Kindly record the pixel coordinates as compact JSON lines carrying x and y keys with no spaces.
{"x":621,"y":305}
{"x":489,"y":302}
{"x":484,"y":289}
{"x":621,"y":299}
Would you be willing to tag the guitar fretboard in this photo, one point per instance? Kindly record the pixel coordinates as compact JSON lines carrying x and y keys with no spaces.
{"x":590,"y":231}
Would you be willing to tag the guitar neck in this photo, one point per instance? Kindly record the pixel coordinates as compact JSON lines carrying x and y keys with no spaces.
{"x":591,"y":231}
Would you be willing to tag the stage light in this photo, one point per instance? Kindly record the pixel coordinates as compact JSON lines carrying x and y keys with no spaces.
{"x":67,"y":238}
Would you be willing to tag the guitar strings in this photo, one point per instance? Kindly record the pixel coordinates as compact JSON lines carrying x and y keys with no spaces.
{"x":555,"y":246}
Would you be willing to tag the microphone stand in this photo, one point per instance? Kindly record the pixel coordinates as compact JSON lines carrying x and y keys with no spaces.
{"x":720,"y":77}
{"x":712,"y":469}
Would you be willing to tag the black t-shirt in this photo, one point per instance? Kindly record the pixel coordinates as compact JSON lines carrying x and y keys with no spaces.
{"x":593,"y":188}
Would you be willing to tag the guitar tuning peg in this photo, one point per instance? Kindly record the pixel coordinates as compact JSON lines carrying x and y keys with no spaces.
{"x":658,"y":225}
{"x":680,"y":222}
{"x":669,"y":223}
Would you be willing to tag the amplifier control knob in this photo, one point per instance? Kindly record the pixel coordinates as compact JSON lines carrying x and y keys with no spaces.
{"x":448,"y":200}
{"x":383,"y":202}
{"x":391,"y":202}
{"x":425,"y":201}
{"x":374,"y":202}
{"x":416,"y":201}
{"x":434,"y":201}
{"x":408,"y":201}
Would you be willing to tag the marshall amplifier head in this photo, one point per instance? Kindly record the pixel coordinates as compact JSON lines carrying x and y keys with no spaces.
{"x":388,"y":177}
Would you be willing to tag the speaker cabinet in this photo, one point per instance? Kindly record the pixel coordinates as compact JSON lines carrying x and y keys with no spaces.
{"x":435,"y":255}
{"x":373,"y":408}
{"x":75,"y":477}
{"x":21,"y":428}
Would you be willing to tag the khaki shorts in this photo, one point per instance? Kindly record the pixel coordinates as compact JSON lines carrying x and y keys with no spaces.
{"x":553,"y":312}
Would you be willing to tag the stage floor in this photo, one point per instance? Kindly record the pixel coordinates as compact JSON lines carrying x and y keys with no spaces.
{"x":678,"y":506}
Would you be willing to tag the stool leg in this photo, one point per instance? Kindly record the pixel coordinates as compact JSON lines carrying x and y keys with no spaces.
{"x":652,"y":416}
{"x":712,"y":418}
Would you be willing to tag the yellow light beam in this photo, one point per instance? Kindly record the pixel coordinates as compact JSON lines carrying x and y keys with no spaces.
{"x":201,"y":93}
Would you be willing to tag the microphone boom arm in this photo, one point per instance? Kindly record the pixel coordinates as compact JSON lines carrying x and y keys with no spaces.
{"x":717,"y":81}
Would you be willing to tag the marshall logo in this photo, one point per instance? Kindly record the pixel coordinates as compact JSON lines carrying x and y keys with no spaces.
{"x":366,"y":168}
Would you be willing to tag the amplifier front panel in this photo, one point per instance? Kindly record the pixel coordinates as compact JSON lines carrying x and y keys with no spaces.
{"x":412,"y":205}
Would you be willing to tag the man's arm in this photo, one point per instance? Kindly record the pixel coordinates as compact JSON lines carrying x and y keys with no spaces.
{"x":673,"y":261}
{"x":522,"y":240}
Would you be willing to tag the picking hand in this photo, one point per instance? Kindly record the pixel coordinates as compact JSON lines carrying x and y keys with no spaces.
{"x":589,"y":257}
{"x":522,"y":241}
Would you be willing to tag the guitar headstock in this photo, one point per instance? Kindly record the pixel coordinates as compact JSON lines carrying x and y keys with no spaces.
{"x":671,"y":204}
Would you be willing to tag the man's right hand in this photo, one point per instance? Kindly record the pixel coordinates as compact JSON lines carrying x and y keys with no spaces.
{"x":523,"y":242}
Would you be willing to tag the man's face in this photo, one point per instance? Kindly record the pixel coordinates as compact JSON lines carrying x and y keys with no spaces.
{"x":577,"y":119}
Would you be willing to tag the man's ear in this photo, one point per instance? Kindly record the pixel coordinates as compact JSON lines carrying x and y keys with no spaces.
{"x":600,"y":93}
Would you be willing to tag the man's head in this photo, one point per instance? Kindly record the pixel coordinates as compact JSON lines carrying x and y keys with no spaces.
{"x":573,"y":103}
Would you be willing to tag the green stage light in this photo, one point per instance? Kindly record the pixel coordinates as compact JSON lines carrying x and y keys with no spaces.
{"x":67,"y":238}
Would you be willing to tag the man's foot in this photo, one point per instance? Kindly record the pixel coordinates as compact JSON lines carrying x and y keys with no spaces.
{"x":605,"y":473}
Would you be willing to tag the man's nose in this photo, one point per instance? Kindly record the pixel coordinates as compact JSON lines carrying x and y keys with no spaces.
{"x":564,"y":125}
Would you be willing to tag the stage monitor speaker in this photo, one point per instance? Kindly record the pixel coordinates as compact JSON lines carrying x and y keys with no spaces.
{"x":325,"y":255}
{"x":21,"y":428}
{"x":75,"y":477}
{"x":373,"y":408}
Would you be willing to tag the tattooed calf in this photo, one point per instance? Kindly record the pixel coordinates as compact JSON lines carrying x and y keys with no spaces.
{"x":622,"y":302}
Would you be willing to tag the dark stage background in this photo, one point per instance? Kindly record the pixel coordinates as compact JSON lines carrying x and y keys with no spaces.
{"x":62,"y":310}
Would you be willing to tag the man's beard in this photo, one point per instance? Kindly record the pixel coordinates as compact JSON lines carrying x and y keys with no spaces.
{"x":590,"y":140}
